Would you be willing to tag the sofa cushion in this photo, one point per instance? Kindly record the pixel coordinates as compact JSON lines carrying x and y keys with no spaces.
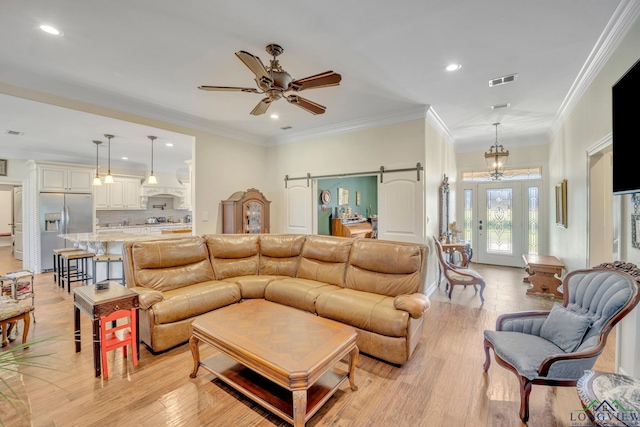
{"x":280,"y":253}
{"x":252,"y":286}
{"x":170,"y":264}
{"x":190,"y":301}
{"x":233,"y":254}
{"x":364,"y":310}
{"x":564,"y":328}
{"x":386,"y":268}
{"x":297,"y":292}
{"x":324,"y":259}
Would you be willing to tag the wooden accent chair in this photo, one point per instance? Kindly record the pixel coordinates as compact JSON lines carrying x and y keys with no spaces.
{"x":555,"y":347}
{"x":111,"y":338}
{"x":457,"y":275}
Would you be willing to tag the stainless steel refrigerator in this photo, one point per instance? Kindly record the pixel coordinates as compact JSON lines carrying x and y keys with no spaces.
{"x":62,"y":213}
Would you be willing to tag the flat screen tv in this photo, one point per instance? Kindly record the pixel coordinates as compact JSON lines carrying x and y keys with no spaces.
{"x":626,"y":132}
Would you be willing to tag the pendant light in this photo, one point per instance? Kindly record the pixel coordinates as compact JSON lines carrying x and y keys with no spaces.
{"x":96,"y":180}
{"x":496,"y":158}
{"x":109,"y":178}
{"x":152,"y":178}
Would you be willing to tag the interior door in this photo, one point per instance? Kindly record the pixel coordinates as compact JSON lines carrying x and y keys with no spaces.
{"x":298,"y":205}
{"x":16,"y":230}
{"x":500,"y":224}
{"x":401,"y":207}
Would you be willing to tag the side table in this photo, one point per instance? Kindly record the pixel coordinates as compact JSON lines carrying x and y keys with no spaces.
{"x":544,"y":275}
{"x":610,"y":399}
{"x":97,"y":303}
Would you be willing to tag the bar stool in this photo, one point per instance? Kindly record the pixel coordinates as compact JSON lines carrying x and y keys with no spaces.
{"x":108,"y":259}
{"x":57,"y":262}
{"x":81,"y":272}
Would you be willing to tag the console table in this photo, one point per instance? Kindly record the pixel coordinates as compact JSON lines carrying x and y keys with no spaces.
{"x":463,"y":247}
{"x":544,"y":275}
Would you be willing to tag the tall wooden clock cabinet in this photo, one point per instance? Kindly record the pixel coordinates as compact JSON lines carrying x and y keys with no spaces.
{"x":245,"y":212}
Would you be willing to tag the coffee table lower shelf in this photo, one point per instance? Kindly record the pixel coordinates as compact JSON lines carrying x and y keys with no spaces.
{"x":268,"y":394}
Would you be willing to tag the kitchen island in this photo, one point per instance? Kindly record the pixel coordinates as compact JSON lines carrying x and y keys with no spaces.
{"x":110,"y":242}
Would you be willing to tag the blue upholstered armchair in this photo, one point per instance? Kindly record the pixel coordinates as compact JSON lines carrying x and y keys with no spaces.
{"x":555,"y":347}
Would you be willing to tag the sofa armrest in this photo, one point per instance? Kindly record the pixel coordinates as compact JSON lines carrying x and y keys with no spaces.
{"x":415,"y":304}
{"x":147,"y":297}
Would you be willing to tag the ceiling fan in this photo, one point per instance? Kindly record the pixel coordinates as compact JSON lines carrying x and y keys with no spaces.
{"x":276,"y":82}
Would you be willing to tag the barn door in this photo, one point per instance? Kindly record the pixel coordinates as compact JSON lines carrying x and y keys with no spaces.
{"x":401,"y":207}
{"x":298,"y":201}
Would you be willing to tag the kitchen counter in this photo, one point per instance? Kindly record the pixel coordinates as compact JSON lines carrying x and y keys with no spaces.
{"x":110,"y":242}
{"x":144,"y":225}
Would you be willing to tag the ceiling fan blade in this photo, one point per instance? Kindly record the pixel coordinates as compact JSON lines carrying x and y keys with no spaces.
{"x":328,"y":78}
{"x":253,"y":63}
{"x":305,"y":104}
{"x":230,"y":88}
{"x":262,"y":107}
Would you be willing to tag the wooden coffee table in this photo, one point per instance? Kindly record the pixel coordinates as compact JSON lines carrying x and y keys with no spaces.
{"x":282,"y":358}
{"x":544,"y":275}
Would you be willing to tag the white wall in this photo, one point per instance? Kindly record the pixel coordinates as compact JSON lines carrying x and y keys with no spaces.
{"x":394,"y":146}
{"x":6,"y":203}
{"x":588,"y":123}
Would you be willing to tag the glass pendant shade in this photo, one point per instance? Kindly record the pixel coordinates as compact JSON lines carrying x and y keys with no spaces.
{"x":152,"y":178}
{"x":108,"y":179}
{"x":496,"y":158}
{"x":96,"y":180}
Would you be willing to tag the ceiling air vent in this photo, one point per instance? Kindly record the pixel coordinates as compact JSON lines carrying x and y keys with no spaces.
{"x":13,"y":132}
{"x":503,"y":80}
{"x":285,"y":127}
{"x":505,"y":105}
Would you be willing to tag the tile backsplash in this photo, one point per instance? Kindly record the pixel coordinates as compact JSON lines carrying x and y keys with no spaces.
{"x":130,"y":217}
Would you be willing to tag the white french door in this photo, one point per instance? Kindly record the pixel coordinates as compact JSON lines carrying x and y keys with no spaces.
{"x":505,"y":221}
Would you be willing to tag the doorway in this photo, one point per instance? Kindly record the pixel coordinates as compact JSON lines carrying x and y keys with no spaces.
{"x":502,"y":219}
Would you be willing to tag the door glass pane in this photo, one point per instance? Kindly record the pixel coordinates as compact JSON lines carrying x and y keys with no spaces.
{"x":499,"y":221}
{"x":468,"y":216}
{"x":534,"y":225}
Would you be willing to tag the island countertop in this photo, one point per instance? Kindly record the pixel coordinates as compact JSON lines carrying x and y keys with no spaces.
{"x":114,"y":237}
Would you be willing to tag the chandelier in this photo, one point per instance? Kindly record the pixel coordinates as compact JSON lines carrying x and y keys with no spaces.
{"x":496,"y":158}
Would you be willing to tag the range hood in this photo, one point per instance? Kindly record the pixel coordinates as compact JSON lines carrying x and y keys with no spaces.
{"x":168,"y":185}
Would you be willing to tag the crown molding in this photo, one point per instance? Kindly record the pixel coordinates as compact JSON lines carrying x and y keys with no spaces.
{"x":38,"y":82}
{"x":434,"y":120}
{"x":622,"y":20}
{"x":416,"y":113}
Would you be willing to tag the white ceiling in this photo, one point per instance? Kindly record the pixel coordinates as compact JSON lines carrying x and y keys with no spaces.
{"x":149,"y":56}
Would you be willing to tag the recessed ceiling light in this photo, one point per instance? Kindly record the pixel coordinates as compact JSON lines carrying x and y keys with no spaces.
{"x":169,"y":144}
{"x":274,"y":116}
{"x":453,"y":67}
{"x":125,"y":158}
{"x":51,"y":30}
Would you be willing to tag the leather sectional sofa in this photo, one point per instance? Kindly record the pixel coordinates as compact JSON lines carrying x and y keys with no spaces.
{"x":376,"y":286}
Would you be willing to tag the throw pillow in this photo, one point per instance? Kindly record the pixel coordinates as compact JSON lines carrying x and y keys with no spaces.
{"x":564,"y":328}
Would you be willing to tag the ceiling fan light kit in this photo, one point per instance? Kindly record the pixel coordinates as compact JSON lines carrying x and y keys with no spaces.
{"x":275,"y":82}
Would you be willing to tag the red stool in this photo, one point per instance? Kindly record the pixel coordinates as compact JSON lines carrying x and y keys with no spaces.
{"x":111,"y":338}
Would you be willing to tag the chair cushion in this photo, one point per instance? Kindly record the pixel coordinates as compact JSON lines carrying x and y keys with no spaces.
{"x":527,"y":352}
{"x":464,"y":277}
{"x":564,"y":328}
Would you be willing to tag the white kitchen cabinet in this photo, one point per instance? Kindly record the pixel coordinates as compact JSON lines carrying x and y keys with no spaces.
{"x":122,"y":194}
{"x":65,"y":179}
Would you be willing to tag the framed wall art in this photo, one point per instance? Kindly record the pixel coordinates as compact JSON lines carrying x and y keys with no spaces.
{"x":3,"y":167}
{"x":343,"y":196}
{"x":561,"y":204}
{"x":635,"y":231}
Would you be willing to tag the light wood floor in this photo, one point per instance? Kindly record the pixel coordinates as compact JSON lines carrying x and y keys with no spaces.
{"x":442,"y":385}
